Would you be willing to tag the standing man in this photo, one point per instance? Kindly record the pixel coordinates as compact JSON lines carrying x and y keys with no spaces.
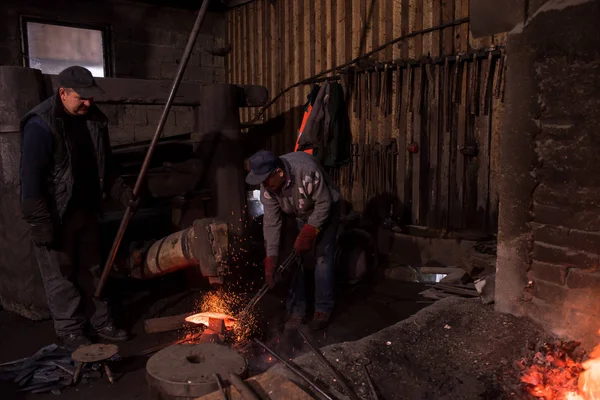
{"x":66,"y":170}
{"x":296,"y":184}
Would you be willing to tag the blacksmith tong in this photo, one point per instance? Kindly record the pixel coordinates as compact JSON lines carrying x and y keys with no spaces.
{"x":285,"y":266}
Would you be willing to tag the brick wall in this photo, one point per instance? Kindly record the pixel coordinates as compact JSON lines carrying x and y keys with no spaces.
{"x":133,"y":122}
{"x":549,"y":237}
{"x":146,"y":42}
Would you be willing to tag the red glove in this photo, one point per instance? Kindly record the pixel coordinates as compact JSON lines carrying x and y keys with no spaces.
{"x":306,"y":237}
{"x":270,"y":268}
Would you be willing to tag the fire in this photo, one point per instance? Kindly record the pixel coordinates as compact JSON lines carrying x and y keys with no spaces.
{"x":558,"y":372}
{"x":224,"y":304}
{"x":203,"y":317}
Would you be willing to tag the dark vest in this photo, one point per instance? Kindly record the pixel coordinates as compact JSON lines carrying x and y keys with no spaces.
{"x":60,"y":179}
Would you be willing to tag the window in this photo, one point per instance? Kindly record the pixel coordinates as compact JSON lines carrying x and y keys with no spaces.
{"x":52,"y":47}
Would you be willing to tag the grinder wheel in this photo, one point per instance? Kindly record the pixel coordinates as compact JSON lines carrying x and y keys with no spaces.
{"x":186,"y":370}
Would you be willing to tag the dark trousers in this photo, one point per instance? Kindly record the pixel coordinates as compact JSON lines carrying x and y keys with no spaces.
{"x":324,"y":253}
{"x":70,"y":270}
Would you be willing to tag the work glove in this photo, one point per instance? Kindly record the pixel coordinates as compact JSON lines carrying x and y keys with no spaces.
{"x":42,"y":234}
{"x":270,"y":268}
{"x":306,"y":238}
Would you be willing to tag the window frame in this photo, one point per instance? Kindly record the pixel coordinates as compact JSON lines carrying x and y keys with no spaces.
{"x":104,"y":30}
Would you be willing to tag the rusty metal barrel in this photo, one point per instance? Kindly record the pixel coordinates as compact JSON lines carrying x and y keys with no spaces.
{"x":202,"y":245}
{"x":21,"y":287}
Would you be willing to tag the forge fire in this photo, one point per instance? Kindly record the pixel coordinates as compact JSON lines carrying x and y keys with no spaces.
{"x":562,"y":371}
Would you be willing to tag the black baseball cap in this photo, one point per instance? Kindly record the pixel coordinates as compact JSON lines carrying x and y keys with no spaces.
{"x":262,"y":164}
{"x":80,"y":80}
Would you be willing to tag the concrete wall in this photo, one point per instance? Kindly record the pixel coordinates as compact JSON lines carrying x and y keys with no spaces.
{"x":146,"y":42}
{"x":549,"y":224}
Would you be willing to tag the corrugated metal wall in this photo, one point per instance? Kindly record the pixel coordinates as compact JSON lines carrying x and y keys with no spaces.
{"x":451,"y":115}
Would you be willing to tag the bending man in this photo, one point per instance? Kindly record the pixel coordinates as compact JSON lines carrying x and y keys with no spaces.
{"x":296,"y":184}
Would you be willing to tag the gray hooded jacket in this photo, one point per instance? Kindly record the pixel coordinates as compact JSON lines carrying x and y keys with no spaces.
{"x":308,"y":193}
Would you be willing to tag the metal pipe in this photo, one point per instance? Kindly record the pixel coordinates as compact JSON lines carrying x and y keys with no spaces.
{"x":161,"y":124}
{"x":333,"y":371}
{"x":295,"y":370}
{"x":283,"y":267}
{"x":218,"y":379}
{"x":242,"y":387}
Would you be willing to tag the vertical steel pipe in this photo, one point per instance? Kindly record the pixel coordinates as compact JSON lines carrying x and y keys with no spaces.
{"x":161,"y":124}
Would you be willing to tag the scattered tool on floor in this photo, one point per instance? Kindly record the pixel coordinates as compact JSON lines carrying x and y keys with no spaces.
{"x":220,"y":385}
{"x":295,"y":370}
{"x":339,"y":378}
{"x":292,"y":259}
{"x":363,"y":362}
{"x":241,"y":386}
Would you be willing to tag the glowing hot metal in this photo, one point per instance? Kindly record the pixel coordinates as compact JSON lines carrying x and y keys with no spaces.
{"x":203,"y":319}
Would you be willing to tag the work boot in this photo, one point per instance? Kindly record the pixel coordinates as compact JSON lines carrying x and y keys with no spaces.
{"x":319,"y":321}
{"x":73,"y":341}
{"x":111,"y":333}
{"x":293,"y":322}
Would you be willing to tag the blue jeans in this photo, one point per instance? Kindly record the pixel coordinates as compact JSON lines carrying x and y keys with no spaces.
{"x":324,"y":273}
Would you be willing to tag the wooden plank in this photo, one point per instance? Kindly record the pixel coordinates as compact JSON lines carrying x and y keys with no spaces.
{"x":434,"y":132}
{"x":376,"y":114}
{"x":461,"y":128}
{"x":417,"y":189}
{"x":418,"y":25}
{"x":436,"y":19}
{"x":398,"y":128}
{"x":497,"y":116}
{"x":444,"y":195}
{"x":330,"y":12}
{"x":323,"y":30}
{"x":447,"y":33}
{"x":268,"y":46}
{"x":470,"y":199}
{"x":483,"y":127}
{"x":311,"y":23}
{"x":166,"y":324}
{"x":405,"y":26}
{"x":348,"y":37}
{"x":228,"y":39}
{"x":300,"y":9}
{"x":276,"y":385}
{"x":247,"y":77}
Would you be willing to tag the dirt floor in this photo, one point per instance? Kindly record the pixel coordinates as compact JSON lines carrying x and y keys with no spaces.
{"x":362,"y":310}
{"x":454,"y":349}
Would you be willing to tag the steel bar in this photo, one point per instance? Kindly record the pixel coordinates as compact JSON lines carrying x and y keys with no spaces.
{"x":242,"y":387}
{"x":284,"y":266}
{"x":146,"y":165}
{"x":333,"y":371}
{"x":220,"y":385}
{"x":295,"y":370}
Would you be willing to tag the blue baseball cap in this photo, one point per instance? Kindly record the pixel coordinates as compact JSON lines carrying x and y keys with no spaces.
{"x":262,"y":164}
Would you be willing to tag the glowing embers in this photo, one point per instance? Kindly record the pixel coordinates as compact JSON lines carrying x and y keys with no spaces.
{"x":558,"y":372}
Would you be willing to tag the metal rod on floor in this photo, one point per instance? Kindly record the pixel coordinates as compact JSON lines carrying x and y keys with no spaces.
{"x":146,"y":165}
{"x":295,"y":370}
{"x":333,"y":371}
